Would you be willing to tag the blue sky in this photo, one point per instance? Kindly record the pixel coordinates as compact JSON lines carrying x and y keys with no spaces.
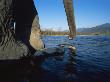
{"x":88,"y":13}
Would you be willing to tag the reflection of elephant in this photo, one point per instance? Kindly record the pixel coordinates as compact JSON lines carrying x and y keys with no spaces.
{"x":26,"y":38}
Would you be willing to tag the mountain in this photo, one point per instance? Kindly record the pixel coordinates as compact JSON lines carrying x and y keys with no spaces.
{"x":100,"y":29}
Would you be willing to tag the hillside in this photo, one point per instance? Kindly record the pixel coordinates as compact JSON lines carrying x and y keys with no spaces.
{"x":100,"y":29}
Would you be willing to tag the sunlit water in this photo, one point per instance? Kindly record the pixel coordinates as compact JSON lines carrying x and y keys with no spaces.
{"x":91,"y":63}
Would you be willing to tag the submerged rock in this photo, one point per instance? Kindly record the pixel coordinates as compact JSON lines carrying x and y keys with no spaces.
{"x":48,"y":52}
{"x":55,"y":51}
{"x":68,"y":46}
{"x":72,"y":49}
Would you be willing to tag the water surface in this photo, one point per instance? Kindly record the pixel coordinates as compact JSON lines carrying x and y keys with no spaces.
{"x":91,"y":63}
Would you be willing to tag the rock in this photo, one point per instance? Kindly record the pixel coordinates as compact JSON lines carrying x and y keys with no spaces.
{"x":72,"y":48}
{"x":68,"y":46}
{"x":54,"y":51}
{"x":49,"y":52}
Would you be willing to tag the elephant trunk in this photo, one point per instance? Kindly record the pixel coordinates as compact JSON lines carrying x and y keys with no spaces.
{"x":68,"y":4}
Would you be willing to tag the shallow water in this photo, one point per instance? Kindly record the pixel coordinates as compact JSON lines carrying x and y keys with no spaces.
{"x":91,"y":63}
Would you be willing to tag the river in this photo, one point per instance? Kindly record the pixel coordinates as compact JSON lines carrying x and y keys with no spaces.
{"x":91,"y":63}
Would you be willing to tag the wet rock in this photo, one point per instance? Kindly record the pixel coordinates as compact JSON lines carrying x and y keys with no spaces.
{"x":54,"y":51}
{"x":50,"y":52}
{"x":69,"y":46}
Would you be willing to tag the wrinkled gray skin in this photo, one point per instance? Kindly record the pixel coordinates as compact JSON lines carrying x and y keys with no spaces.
{"x":68,"y":4}
{"x":14,"y":45}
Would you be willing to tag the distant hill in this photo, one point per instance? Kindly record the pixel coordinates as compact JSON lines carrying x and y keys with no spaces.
{"x":100,"y":29}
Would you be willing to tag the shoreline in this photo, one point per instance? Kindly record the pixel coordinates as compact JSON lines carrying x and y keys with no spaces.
{"x":81,"y":35}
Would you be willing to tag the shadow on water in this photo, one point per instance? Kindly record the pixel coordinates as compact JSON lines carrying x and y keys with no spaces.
{"x":23,"y":70}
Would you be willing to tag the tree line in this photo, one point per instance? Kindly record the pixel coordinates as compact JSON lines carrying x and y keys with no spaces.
{"x":52,"y":32}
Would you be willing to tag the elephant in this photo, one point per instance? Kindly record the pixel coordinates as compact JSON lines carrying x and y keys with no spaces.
{"x":20,"y":33}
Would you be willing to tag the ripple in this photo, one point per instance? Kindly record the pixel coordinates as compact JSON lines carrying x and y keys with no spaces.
{"x":90,"y":64}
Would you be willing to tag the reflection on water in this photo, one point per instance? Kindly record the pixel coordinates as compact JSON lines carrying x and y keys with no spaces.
{"x":91,"y":63}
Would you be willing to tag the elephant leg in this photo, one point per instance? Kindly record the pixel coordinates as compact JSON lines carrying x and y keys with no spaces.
{"x":35,"y":36}
{"x":27,"y":24}
{"x":9,"y":48}
{"x":14,"y":46}
{"x":68,"y":4}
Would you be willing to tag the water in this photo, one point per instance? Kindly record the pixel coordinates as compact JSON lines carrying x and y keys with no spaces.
{"x":91,"y":63}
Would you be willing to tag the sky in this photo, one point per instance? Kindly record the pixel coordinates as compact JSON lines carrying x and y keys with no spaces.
{"x":88,"y":13}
